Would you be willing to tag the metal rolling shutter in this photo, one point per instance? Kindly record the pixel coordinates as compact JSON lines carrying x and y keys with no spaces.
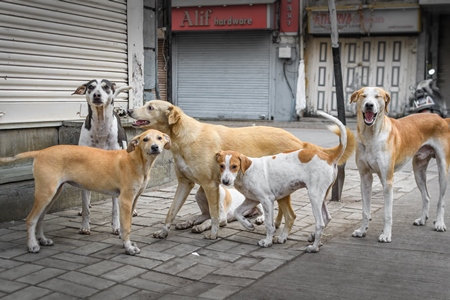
{"x":443,"y":74}
{"x":224,"y":75}
{"x":49,"y":48}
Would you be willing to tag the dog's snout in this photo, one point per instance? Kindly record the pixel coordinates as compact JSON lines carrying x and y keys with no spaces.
{"x":369,"y":106}
{"x":130,"y":111}
{"x":155,"y":148}
{"x":225,"y":181}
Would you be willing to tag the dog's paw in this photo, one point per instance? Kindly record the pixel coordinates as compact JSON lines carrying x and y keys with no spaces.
{"x":359,"y":233}
{"x":84,"y":231}
{"x":384,"y":238}
{"x":279,"y":239}
{"x":209,"y":236}
{"x":34,"y":248}
{"x":116,"y":231}
{"x":160,"y":234}
{"x":131,"y":248}
{"x":312,"y":249}
{"x":198,"y":229}
{"x":312,"y":237}
{"x":184,"y":225}
{"x":135,"y":214}
{"x":420,"y":221}
{"x":259,"y":220}
{"x":265,"y":243}
{"x":440,"y":226}
{"x":45,"y":242}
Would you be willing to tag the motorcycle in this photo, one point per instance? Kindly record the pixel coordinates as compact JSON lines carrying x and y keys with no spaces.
{"x":427,"y":99}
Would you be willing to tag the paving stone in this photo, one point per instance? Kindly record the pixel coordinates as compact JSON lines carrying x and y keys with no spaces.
{"x":175,"y":266}
{"x":77,"y":258}
{"x":123,"y":273}
{"x":110,"y":252}
{"x":225,"y":256}
{"x":182,"y":250}
{"x":197,"y":272}
{"x":13,"y":251}
{"x":115,"y":292}
{"x":9,"y":286}
{"x":90,"y":248}
{"x":220,"y":279}
{"x":69,"y":288}
{"x":20,"y":271}
{"x":8,"y":264}
{"x":100,"y":267}
{"x":157,"y":255}
{"x":58,"y":296}
{"x":245,"y":263}
{"x":149,"y":285}
{"x":177,"y":297}
{"x":59,"y":264}
{"x":28,"y":293}
{"x":233,"y":272}
{"x":161,"y":245}
{"x":268,"y":265}
{"x":144,"y":295}
{"x":166,"y":279}
{"x":138,"y":261}
{"x":33,"y":257}
{"x":220,"y":292}
{"x":194,"y":289}
{"x":87,"y":280}
{"x":207,"y":260}
{"x":41,"y":276}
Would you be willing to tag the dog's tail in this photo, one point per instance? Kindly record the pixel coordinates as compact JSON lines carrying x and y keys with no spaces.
{"x":121,"y":89}
{"x":347,"y":143}
{"x":24,"y":155}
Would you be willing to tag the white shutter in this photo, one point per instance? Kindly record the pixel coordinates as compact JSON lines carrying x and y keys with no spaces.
{"x":49,"y":47}
{"x":223,"y":75}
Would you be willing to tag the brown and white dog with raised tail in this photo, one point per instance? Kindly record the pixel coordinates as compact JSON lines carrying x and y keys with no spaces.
{"x":385,"y":144}
{"x":269,"y":178}
{"x":123,"y":174}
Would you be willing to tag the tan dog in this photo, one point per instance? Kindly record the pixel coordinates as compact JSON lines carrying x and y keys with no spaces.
{"x":386,"y":144}
{"x":118,"y":173}
{"x":263,"y":180}
{"x":194,"y":146}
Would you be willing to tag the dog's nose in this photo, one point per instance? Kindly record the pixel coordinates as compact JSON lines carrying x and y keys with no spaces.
{"x":226,"y":181}
{"x":155,"y":148}
{"x":369,"y":106}
{"x":130,"y":111}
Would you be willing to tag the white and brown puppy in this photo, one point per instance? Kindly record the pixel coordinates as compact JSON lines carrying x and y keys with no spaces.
{"x":230,"y":199}
{"x":269,"y":178}
{"x":384,"y":145}
{"x":119,"y":173}
{"x":101,"y":129}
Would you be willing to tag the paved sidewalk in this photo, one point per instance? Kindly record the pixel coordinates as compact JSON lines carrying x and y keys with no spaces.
{"x":183,"y":265}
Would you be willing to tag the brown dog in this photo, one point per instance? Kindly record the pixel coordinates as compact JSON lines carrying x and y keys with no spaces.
{"x":118,"y":173}
{"x":194,"y":147}
{"x":384,"y":145}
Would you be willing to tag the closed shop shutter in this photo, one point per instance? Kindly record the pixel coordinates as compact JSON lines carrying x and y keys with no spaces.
{"x":223,"y":75}
{"x":443,"y":74}
{"x":162,"y":70}
{"x":49,"y":48}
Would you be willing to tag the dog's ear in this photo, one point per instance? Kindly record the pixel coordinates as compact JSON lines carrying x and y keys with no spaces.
{"x":81,"y":90}
{"x":173,"y":114}
{"x":245,"y":163}
{"x":132,"y":145}
{"x":387,"y":99}
{"x":113,"y":87}
{"x":167,"y":145}
{"x":354,"y":96}
{"x":218,"y":154}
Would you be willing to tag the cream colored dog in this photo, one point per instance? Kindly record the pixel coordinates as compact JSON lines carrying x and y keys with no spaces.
{"x":118,"y":173}
{"x":386,"y":144}
{"x":230,"y":199}
{"x":266,"y":179}
{"x":194,"y":146}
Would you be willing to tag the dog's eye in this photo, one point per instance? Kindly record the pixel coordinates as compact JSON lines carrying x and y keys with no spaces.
{"x":222,"y":166}
{"x":91,"y":87}
{"x":150,"y":107}
{"x":145,"y":139}
{"x":159,"y":138}
{"x":106,"y":88}
{"x":233,"y":167}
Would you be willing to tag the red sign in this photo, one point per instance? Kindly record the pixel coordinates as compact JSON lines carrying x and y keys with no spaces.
{"x":222,"y":17}
{"x":289,"y":12}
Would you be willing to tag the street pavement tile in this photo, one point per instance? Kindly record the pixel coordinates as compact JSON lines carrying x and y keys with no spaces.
{"x":9,"y":286}
{"x":77,"y":258}
{"x":144,"y":295}
{"x":87,"y":280}
{"x":28,"y":293}
{"x":165,"y":278}
{"x":40,"y":276}
{"x":149,"y":285}
{"x":137,"y":260}
{"x":239,"y":273}
{"x":245,"y":263}
{"x":161,"y":245}
{"x":202,"y":259}
{"x":117,"y":292}
{"x":220,"y":279}
{"x":59,"y":264}
{"x":223,"y":245}
{"x":225,"y":256}
{"x":191,"y":239}
{"x":19,"y":271}
{"x":220,"y":292}
{"x":45,"y":251}
{"x":13,"y":251}
{"x":175,"y":266}
{"x":8,"y":263}
{"x":58,"y":296}
{"x":90,"y":248}
{"x":123,"y":273}
{"x":100,"y":267}
{"x":275,"y":253}
{"x":268,"y":265}
{"x":109,"y":252}
{"x":13,"y":235}
{"x":149,"y":253}
{"x":194,"y":289}
{"x":197,"y":272}
{"x":69,"y":288}
{"x":182,"y":250}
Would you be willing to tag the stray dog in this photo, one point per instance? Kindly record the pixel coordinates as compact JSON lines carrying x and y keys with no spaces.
{"x":269,"y":178}
{"x":101,"y":129}
{"x":119,"y":173}
{"x":385,"y":145}
{"x":194,"y":146}
{"x":230,"y":199}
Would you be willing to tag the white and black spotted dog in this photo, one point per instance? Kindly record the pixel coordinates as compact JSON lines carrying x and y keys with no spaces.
{"x":101,"y":129}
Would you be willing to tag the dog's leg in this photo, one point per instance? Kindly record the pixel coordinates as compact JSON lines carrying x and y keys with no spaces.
{"x":260,"y":219}
{"x":181,"y":194}
{"x":239,"y":213}
{"x":40,"y":224}
{"x":284,"y":206}
{"x":420,"y":174}
{"x":115,"y":222}
{"x":126,"y":203}
{"x":388,"y":192}
{"x":366,"y":193}
{"x":319,"y":209}
{"x":439,"y":225}
{"x":202,"y":203}
{"x":267,"y":205}
{"x":213,"y":197}
{"x":85,"y":212}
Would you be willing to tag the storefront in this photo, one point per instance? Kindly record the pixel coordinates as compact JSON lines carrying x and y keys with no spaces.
{"x":226,"y":58}
{"x":378,"y":48}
